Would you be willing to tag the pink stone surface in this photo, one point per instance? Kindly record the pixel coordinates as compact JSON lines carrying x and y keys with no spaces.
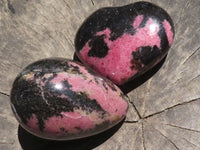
{"x":137,"y":21}
{"x":32,"y":123}
{"x":117,"y":64}
{"x":108,"y":99}
{"x":72,"y":122}
{"x":69,"y":103}
{"x":125,"y":42}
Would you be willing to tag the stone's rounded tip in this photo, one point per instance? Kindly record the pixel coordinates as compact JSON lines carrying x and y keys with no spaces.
{"x":60,"y":99}
{"x":121,"y":43}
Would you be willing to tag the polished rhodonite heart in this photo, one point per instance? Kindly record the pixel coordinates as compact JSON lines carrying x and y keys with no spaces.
{"x":122,"y":43}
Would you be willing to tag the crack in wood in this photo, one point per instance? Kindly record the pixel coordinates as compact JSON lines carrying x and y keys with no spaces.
{"x":166,"y":138}
{"x":191,"y":143}
{"x":143,"y":139}
{"x":188,"y":3}
{"x":92,"y":2}
{"x":5,"y":94}
{"x":6,"y":143}
{"x":176,"y":81}
{"x":157,"y":113}
{"x":190,"y":56}
{"x":147,"y":94}
{"x":182,"y":128}
{"x":135,"y":109}
{"x":172,"y":107}
{"x":127,"y":121}
{"x":194,"y":78}
{"x":68,"y":6}
{"x":10,"y":7}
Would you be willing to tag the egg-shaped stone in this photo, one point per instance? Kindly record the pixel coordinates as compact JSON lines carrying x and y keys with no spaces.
{"x":60,"y":99}
{"x":122,"y":43}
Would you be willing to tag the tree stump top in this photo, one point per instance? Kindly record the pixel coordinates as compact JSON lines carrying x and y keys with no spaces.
{"x":164,"y":108}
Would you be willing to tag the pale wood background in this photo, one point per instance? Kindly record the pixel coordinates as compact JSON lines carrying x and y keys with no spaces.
{"x":164,"y":111}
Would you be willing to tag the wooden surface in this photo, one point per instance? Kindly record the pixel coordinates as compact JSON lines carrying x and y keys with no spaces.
{"x":164,"y":110}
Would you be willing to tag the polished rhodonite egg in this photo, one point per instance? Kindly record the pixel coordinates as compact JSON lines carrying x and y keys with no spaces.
{"x":122,"y":43}
{"x":60,"y":99}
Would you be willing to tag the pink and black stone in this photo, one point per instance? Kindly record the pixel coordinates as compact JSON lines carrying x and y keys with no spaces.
{"x":121,"y":43}
{"x":60,"y":99}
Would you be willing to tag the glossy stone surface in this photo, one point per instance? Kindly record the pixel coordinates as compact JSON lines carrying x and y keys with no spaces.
{"x":122,"y":43}
{"x":60,"y":99}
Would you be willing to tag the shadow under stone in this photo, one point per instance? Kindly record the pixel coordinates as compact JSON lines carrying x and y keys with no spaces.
{"x":31,"y":142}
{"x":75,"y":58}
{"x":136,"y":82}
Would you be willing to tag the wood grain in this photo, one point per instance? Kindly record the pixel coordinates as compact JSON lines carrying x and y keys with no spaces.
{"x":164,"y":110}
